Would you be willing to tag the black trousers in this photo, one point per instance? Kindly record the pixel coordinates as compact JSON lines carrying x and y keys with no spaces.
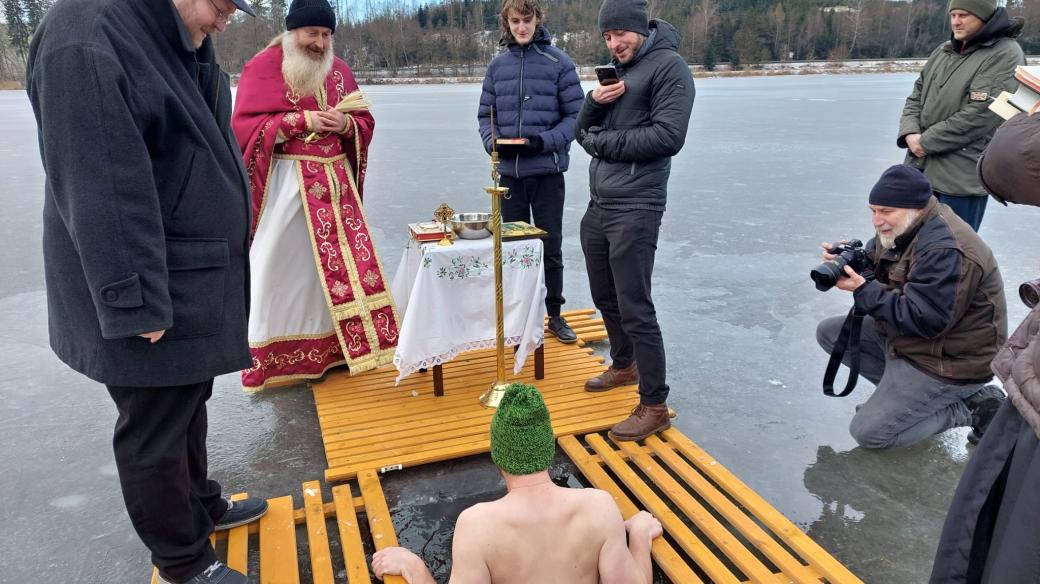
{"x":541,"y":196}
{"x":619,"y":248}
{"x":160,"y":448}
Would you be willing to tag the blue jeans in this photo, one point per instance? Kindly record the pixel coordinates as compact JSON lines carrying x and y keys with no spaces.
{"x":908,"y":405}
{"x":970,"y":208}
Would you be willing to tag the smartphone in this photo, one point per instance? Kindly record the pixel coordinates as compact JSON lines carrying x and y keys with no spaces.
{"x":607,"y":74}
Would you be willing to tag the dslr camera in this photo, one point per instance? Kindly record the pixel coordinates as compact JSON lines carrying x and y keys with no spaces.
{"x":827,"y":274}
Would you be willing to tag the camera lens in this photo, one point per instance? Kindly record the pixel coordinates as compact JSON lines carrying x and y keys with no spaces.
{"x":1029,"y":292}
{"x":826,"y":274}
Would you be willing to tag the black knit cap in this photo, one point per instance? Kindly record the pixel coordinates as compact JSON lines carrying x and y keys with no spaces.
{"x":310,"y":13}
{"x":903,"y":187}
{"x":624,"y":15}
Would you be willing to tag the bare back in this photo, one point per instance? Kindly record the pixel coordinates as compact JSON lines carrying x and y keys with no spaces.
{"x":545,"y":534}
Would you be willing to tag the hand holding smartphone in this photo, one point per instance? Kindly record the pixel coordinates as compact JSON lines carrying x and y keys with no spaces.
{"x":607,"y":74}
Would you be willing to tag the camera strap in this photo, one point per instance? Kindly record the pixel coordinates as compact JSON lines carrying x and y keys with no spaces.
{"x":848,"y":341}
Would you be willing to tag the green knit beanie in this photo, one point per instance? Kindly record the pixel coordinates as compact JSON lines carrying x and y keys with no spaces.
{"x":984,"y":9}
{"x":522,"y":440}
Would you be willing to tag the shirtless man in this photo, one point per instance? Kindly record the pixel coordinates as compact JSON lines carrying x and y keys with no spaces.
{"x":538,"y":532}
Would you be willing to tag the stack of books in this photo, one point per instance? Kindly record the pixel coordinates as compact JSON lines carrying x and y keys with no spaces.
{"x":429,"y":231}
{"x":1025,"y":99}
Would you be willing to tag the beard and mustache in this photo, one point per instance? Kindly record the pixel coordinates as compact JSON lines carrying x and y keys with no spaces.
{"x":303,"y":69}
{"x":888,"y":241}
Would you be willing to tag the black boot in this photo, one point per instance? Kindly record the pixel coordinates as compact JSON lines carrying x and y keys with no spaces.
{"x":983,"y":405}
{"x":561,"y":330}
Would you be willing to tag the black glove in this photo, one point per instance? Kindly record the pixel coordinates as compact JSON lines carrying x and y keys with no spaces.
{"x":533,"y":147}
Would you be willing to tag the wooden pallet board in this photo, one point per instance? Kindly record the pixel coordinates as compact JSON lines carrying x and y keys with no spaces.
{"x":718,"y":529}
{"x":366,"y":422}
{"x":286,"y":538}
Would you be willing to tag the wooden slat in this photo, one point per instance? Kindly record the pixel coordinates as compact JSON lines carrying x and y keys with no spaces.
{"x":701,"y":517}
{"x":238,"y":543}
{"x":350,"y":537}
{"x":278,"y":544}
{"x":762,"y":541}
{"x":780,"y":525}
{"x":675,"y":527}
{"x":317,"y":536}
{"x":670,"y":562}
{"x":379,"y":522}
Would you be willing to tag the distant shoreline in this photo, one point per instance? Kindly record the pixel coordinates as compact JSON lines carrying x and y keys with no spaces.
{"x":774,"y":69}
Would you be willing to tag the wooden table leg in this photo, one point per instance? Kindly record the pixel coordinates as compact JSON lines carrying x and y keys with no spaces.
{"x":539,"y":362}
{"x":438,"y":380}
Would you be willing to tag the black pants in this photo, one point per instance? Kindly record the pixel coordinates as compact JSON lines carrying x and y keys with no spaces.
{"x":160,"y":448}
{"x":543,"y":197}
{"x":619,"y":248}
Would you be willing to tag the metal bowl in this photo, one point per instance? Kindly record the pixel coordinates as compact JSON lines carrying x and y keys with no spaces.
{"x":471,"y":225}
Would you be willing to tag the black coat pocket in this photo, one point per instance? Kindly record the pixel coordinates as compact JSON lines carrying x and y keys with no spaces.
{"x":198,"y":273}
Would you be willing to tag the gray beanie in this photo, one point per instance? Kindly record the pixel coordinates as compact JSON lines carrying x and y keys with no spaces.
{"x":624,"y":15}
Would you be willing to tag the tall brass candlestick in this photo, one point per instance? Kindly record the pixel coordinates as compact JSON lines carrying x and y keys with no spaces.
{"x":494,"y":394}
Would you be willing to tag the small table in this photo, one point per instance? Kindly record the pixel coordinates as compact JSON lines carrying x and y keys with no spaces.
{"x":446,"y":299}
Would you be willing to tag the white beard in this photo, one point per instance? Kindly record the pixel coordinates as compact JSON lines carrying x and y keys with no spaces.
{"x":303,"y":74}
{"x":889,"y":242}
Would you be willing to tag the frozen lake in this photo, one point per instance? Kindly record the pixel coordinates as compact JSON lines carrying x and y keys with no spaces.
{"x":771,"y":167}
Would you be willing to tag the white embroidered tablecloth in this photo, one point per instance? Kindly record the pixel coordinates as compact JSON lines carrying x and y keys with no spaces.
{"x":446,"y":299}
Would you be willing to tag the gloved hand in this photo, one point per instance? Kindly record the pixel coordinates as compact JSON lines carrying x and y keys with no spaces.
{"x":533,"y":147}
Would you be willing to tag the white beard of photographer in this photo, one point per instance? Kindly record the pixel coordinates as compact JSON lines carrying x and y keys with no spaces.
{"x":896,"y":230}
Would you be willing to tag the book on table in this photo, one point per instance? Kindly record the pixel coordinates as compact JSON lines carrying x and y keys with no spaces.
{"x":521,"y":230}
{"x":429,"y":231}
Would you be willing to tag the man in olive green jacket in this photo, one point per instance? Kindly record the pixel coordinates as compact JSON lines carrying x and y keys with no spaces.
{"x":946,"y":122}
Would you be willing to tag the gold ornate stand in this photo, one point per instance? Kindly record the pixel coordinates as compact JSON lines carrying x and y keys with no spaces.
{"x":493,"y":396}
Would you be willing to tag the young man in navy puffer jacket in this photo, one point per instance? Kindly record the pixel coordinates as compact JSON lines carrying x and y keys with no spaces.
{"x":536,"y":94}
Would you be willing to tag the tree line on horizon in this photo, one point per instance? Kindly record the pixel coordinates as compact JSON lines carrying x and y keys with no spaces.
{"x":400,"y":37}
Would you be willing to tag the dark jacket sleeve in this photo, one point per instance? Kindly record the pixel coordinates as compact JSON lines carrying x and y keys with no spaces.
{"x":487,"y":101}
{"x":671,"y":102}
{"x":931,"y":301}
{"x":591,"y":115}
{"x":570,"y":97}
{"x":100,"y":176}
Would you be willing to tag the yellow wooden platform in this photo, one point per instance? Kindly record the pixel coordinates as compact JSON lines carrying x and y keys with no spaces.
{"x":274,"y":544}
{"x":717,"y":529}
{"x":368,"y":423}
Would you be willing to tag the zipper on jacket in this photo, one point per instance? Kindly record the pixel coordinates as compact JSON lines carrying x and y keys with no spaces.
{"x":633,"y":171}
{"x":520,"y":110}
{"x":556,"y":159}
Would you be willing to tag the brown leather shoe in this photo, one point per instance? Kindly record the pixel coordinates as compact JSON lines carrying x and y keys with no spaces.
{"x":612,"y":378}
{"x":644,"y":421}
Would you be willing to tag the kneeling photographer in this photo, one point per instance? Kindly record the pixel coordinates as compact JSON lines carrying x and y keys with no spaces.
{"x":933,"y":315}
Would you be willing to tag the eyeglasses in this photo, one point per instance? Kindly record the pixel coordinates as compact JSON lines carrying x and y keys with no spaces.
{"x":221,"y":15}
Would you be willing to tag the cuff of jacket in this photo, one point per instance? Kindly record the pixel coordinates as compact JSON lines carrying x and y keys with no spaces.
{"x":867,"y":296}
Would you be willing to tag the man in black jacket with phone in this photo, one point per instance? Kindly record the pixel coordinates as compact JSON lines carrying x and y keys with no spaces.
{"x":632,"y":128}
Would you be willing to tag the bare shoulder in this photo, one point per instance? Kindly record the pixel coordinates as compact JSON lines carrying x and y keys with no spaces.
{"x":601,"y":507}
{"x":475,"y":519}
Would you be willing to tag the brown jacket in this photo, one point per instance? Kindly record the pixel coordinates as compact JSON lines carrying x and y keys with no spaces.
{"x":1018,"y":365}
{"x":938,"y":297}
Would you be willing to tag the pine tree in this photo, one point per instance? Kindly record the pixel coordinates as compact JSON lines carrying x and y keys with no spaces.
{"x":17,"y":26}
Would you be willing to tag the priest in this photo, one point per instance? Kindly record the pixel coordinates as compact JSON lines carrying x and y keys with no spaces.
{"x":319,"y":295}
